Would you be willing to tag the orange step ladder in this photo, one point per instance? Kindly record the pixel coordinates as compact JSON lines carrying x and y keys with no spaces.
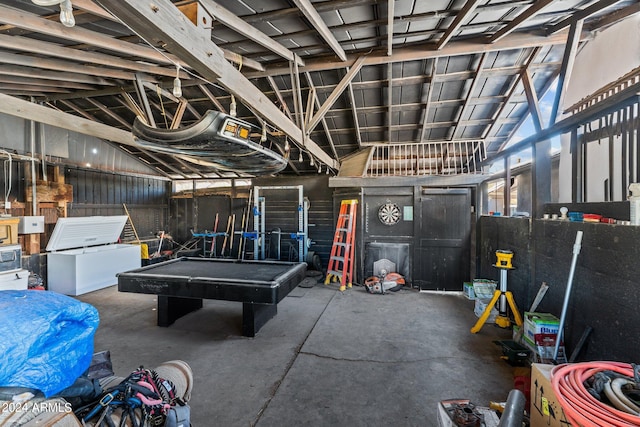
{"x":342,"y":251}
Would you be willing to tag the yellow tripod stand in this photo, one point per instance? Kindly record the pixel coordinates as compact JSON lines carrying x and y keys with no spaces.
{"x":504,"y":264}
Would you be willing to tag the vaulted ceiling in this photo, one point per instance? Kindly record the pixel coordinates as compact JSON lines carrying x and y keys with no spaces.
{"x":327,"y":79}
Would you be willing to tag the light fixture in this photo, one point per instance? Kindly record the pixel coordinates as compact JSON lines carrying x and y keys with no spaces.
{"x":233,"y":111}
{"x":66,"y":10}
{"x":327,"y":172}
{"x":319,"y":167}
{"x":177,"y":84}
{"x":66,"y":14}
{"x":311,"y":161}
{"x":300,"y":159}
{"x":287,"y":147}
{"x":263,"y":137}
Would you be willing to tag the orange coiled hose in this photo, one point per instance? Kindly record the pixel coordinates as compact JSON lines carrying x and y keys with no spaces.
{"x":580,"y":407}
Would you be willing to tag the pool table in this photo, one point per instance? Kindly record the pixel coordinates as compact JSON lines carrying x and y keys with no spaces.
{"x":182,"y":283}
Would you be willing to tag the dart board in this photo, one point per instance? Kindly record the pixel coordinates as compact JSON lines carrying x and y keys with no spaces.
{"x":389,"y":214}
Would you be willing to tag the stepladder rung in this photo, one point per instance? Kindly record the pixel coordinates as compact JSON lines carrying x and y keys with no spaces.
{"x":341,"y":260}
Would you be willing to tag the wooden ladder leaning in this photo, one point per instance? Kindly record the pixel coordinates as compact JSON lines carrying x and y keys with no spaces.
{"x":342,"y":250}
{"x":130,"y":234}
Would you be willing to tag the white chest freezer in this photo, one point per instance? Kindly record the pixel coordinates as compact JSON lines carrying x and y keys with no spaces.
{"x":83,"y":256}
{"x":17,"y":280}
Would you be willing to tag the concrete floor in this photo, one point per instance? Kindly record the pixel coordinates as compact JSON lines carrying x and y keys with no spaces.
{"x":328,"y":358}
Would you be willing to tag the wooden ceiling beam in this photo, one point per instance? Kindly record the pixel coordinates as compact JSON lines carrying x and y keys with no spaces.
{"x":30,"y":89}
{"x":354,"y":113}
{"x":580,"y":15}
{"x":613,"y":17}
{"x":461,"y":16}
{"x":536,"y":7}
{"x":54,"y":76}
{"x":89,"y":6}
{"x":532,"y":100}
{"x":109,"y":112}
{"x":316,"y":102}
{"x":30,"y":45}
{"x":278,"y":94}
{"x":75,"y":108}
{"x":32,"y":22}
{"x":235,"y":23}
{"x":333,"y":5}
{"x":335,"y":94}
{"x":205,"y":90}
{"x":66,"y":66}
{"x":316,"y":21}
{"x":427,"y":104}
{"x":433,"y":125}
{"x":4,"y":78}
{"x":568,"y":60}
{"x":509,"y":94}
{"x":426,"y":51}
{"x":390,"y":18}
{"x":30,"y":111}
{"x":468,"y":97}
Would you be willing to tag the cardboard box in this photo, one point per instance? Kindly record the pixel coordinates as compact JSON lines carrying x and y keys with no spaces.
{"x":545,"y":409}
{"x":467,"y":289}
{"x":539,"y":323}
{"x":9,"y":230}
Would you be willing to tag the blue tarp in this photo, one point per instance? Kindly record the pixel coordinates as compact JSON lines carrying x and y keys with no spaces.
{"x":46,"y":339}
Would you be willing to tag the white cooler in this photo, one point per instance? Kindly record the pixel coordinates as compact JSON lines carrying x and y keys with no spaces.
{"x":84,"y":257}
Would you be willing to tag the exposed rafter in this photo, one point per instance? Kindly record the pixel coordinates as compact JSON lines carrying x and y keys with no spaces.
{"x":26,"y":44}
{"x":390,"y":18}
{"x":581,"y":15}
{"x":316,"y":21}
{"x":567,"y":66}
{"x":472,"y":89}
{"x":434,"y":66}
{"x":464,"y":13}
{"x":316,"y":101}
{"x":536,"y":7}
{"x":232,"y":21}
{"x":426,"y":51}
{"x":65,"y":66}
{"x":333,"y":97}
{"x":354,"y":113}
{"x":212,"y":98}
{"x":614,"y":17}
{"x":532,"y":101}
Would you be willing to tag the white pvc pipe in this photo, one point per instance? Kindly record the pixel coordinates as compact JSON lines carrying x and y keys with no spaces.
{"x":576,"y":250}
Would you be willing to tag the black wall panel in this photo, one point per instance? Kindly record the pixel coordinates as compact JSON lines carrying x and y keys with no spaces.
{"x":101,"y":193}
{"x":198,"y":214}
{"x":605,"y":292}
{"x":513,"y":234}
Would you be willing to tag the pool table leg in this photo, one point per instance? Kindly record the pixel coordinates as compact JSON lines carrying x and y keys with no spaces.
{"x":254,"y":316}
{"x":172,"y":308}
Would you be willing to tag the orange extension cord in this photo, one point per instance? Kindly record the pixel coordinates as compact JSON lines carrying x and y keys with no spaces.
{"x":579,"y":406}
